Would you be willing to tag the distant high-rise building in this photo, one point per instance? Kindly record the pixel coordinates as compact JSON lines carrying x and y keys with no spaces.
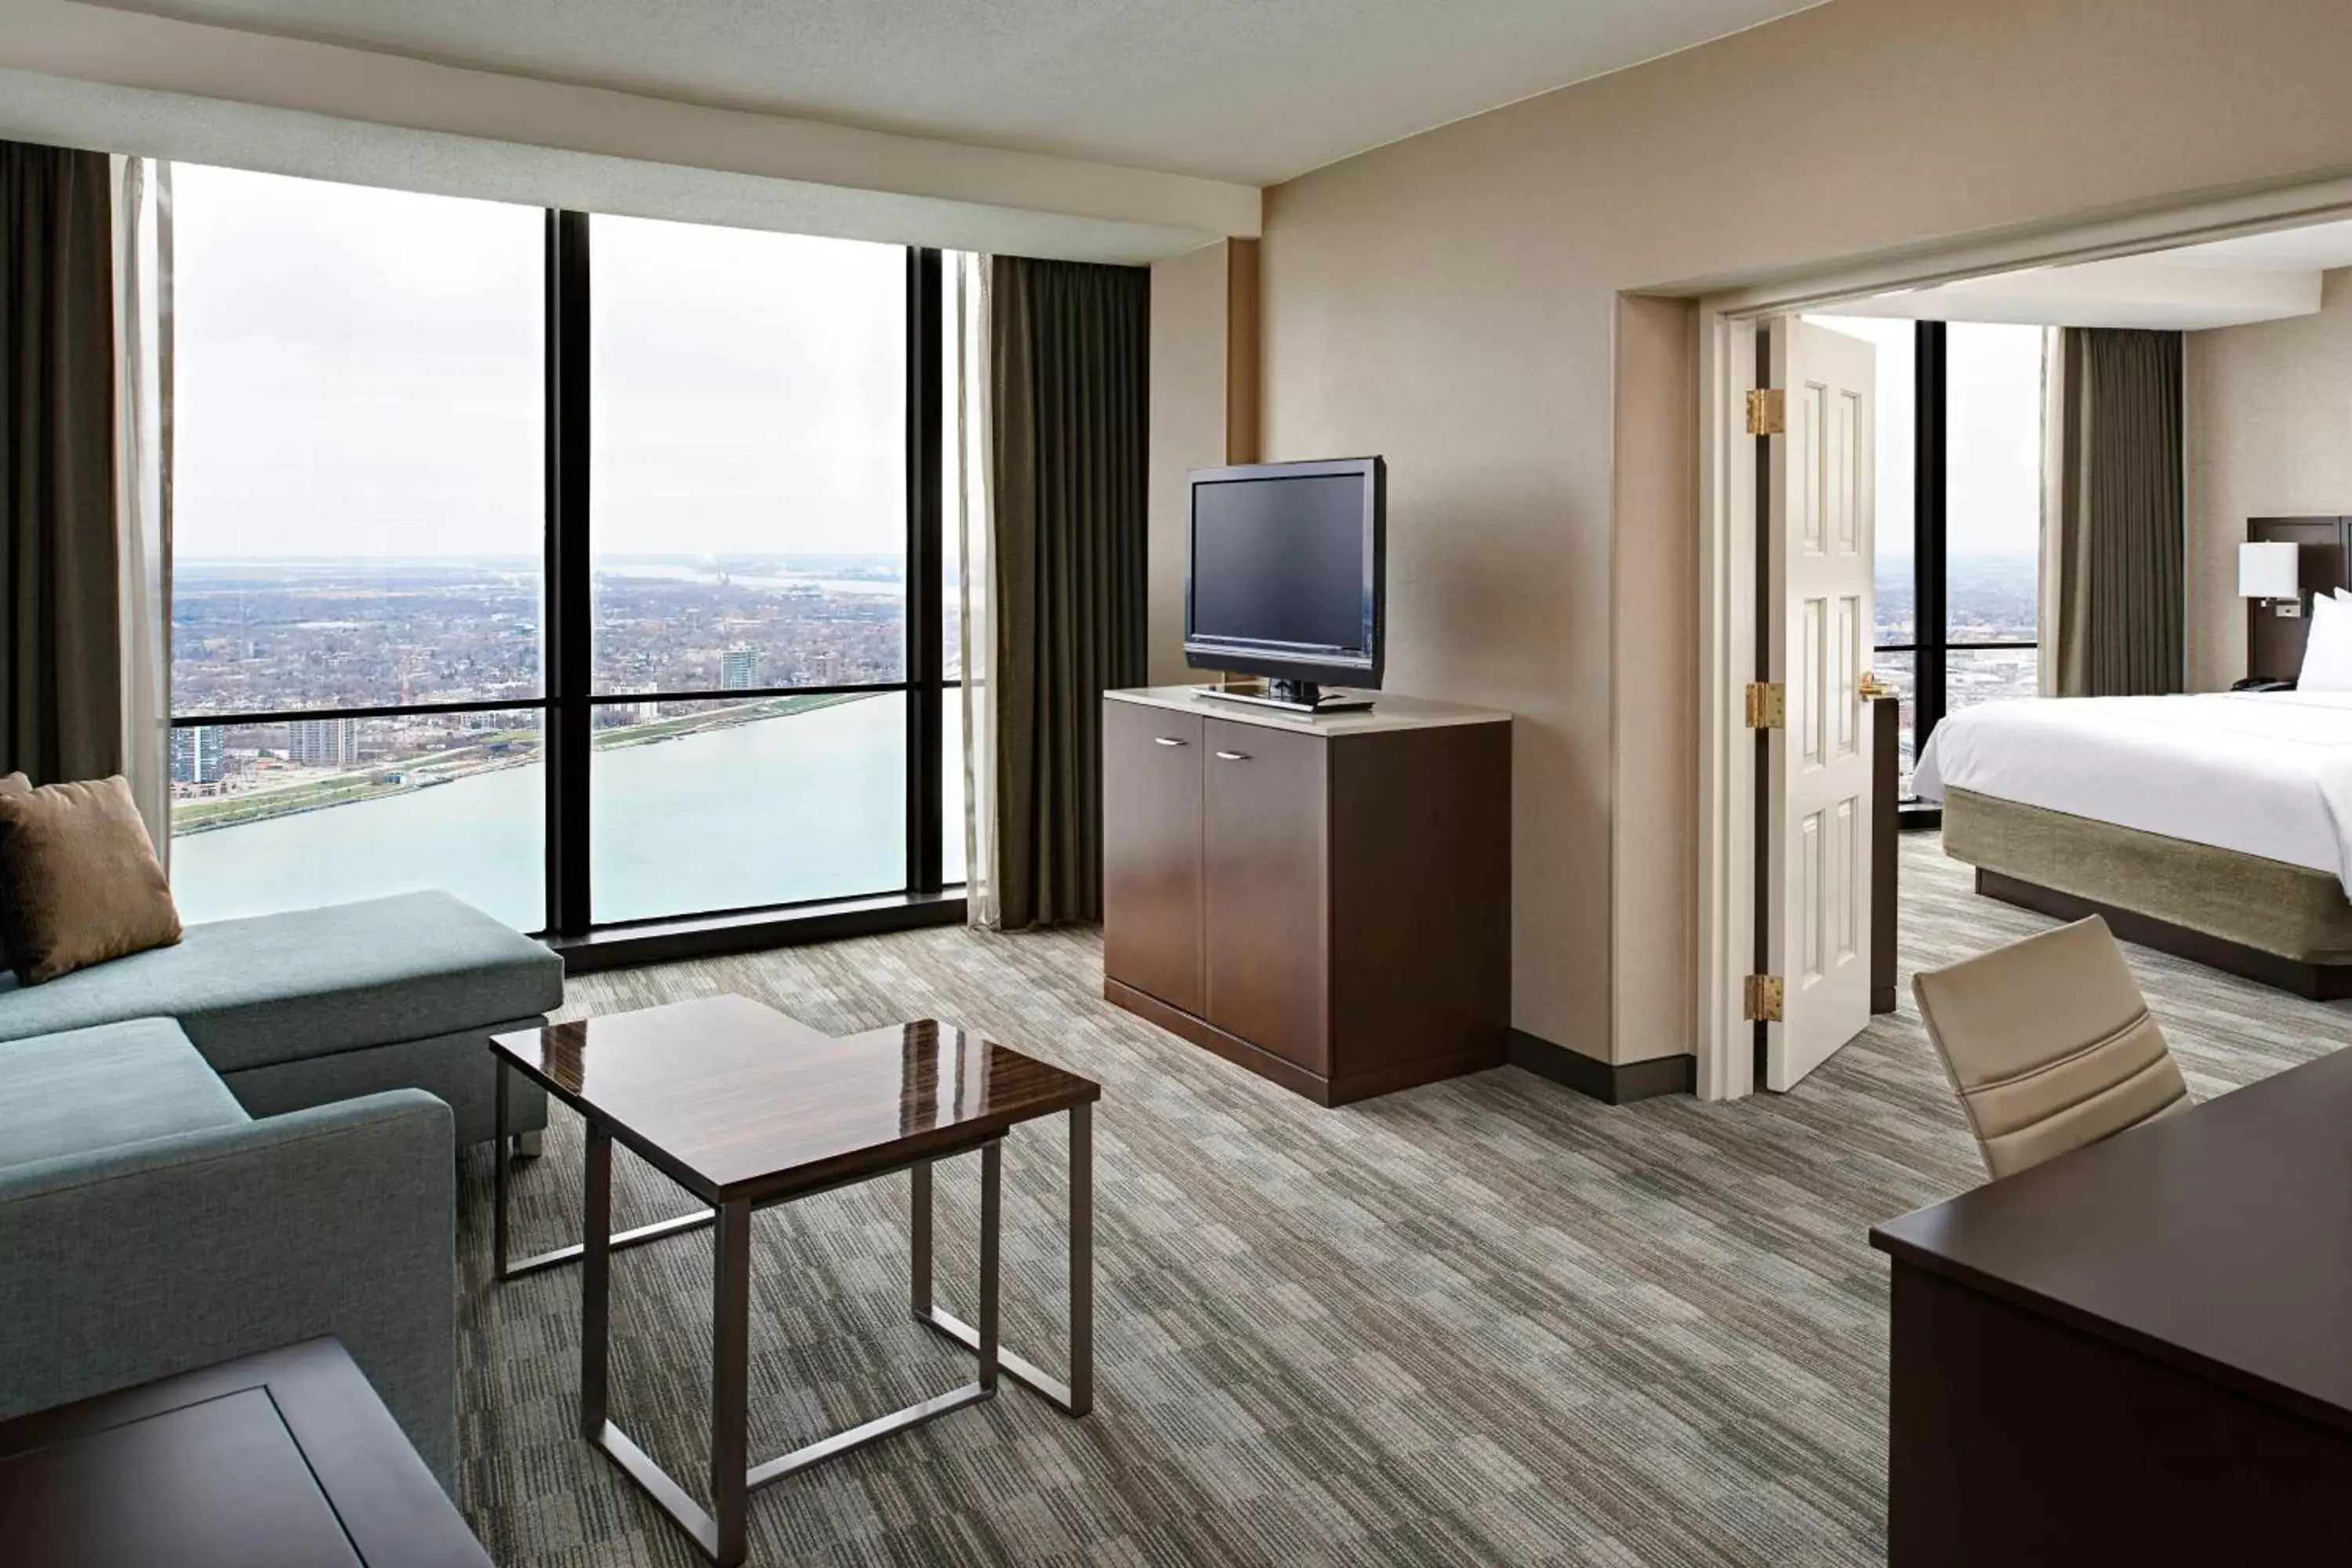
{"x":196,"y":755}
{"x":324,"y":742}
{"x":738,"y":669}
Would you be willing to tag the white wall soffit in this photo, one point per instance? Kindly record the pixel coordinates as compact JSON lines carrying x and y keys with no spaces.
{"x":86,"y":76}
{"x":2130,"y":292}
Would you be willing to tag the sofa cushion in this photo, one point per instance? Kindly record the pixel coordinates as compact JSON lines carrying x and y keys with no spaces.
{"x":312,"y":983}
{"x":96,"y":1088}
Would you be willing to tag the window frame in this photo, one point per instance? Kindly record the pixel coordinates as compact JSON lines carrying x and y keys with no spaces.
{"x":1931,"y":647}
{"x":568,"y":700}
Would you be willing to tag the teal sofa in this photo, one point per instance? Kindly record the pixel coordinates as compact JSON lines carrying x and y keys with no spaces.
{"x":248,"y":1138}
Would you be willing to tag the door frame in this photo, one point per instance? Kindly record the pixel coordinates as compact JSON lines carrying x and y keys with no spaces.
{"x":1728,"y":312}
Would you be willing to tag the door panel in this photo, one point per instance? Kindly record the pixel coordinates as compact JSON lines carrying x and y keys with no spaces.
{"x":1818,"y":543}
{"x":1151,"y":852}
{"x":1263,"y":828}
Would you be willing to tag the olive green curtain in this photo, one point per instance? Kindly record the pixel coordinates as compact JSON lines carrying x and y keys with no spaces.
{"x":2119,"y":554}
{"x":61,"y":703}
{"x":1069,"y":383}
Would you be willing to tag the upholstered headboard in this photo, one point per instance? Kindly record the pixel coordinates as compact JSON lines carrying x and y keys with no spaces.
{"x":2274,"y":642}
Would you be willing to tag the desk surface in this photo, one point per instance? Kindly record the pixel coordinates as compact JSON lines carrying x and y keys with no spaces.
{"x":2219,"y":1241}
{"x":286,"y":1458}
{"x":733,"y":1099}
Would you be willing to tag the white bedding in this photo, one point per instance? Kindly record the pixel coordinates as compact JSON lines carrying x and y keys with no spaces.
{"x":2263,"y":773}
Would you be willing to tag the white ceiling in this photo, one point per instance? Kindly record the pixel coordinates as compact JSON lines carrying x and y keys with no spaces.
{"x":2224,"y":283}
{"x":2321,"y":248}
{"x":1250,"y":90}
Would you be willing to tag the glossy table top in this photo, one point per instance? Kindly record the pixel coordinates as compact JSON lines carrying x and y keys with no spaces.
{"x":2219,"y":1240}
{"x":733,"y":1099}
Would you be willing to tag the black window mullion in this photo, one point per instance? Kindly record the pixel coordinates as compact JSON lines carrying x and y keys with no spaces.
{"x":1927,"y":547}
{"x":926,"y":638}
{"x":568,"y":647}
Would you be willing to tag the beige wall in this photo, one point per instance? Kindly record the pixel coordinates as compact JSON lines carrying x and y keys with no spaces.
{"x":1204,"y":411}
{"x":1451,"y":301}
{"x":2268,"y":422}
{"x":1188,"y":427}
{"x":1654,"y":787}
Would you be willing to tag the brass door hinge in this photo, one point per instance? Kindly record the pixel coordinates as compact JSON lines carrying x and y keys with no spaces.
{"x":1760,"y":1002}
{"x":1767,"y":705}
{"x":1768,"y":412}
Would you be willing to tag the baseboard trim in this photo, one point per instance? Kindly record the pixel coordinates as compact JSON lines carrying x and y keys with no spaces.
{"x":1322,"y":1090}
{"x":1618,"y":1083}
{"x":753,"y":930}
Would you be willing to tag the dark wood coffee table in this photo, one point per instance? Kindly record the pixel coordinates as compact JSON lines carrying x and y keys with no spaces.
{"x":286,"y":1458}
{"x":746,"y":1108}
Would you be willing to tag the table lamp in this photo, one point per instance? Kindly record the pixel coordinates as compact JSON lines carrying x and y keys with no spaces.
{"x":2272,"y":571}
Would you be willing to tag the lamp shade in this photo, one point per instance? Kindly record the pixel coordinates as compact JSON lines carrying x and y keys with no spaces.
{"x":2270,"y":571}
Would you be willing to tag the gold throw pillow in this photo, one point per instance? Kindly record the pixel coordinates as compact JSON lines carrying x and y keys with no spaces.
{"x":81,"y":880}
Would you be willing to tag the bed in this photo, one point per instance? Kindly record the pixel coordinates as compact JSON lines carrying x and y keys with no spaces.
{"x":2215,"y":826}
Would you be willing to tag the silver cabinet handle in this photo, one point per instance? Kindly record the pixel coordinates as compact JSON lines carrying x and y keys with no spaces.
{"x":1233,"y":756}
{"x":1166,"y":741}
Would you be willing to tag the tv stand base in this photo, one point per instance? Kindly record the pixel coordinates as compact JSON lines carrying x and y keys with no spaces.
{"x":1290,"y":696}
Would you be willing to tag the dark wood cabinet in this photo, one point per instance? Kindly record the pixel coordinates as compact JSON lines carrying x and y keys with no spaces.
{"x":1152,"y":889}
{"x":1325,"y":901}
{"x":1263,"y":873}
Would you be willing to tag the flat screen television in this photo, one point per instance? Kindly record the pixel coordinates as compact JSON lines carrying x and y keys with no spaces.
{"x":1284,"y":574}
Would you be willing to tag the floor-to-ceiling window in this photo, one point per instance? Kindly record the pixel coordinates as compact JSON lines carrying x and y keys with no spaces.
{"x":1992,"y":511}
{"x":589,"y":568}
{"x":747,"y":536}
{"x":357,"y":527}
{"x":1959,"y":457}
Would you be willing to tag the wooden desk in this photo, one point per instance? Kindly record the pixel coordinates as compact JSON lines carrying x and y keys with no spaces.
{"x":286,"y":1458}
{"x":2141,"y":1352}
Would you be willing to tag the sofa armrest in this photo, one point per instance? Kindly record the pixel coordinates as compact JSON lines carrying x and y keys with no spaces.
{"x":158,"y":1258}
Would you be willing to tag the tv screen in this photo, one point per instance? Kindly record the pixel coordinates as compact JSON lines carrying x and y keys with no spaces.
{"x":1284,"y":570}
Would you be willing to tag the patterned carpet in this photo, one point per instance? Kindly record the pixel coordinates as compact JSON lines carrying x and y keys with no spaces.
{"x":1485,"y":1321}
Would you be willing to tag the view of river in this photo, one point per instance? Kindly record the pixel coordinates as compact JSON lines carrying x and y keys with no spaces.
{"x":809,"y":806}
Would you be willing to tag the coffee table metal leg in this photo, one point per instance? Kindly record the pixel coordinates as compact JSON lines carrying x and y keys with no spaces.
{"x":992,"y":1227}
{"x":498,"y":1180}
{"x":1082,"y":1259}
{"x":918,"y":1177}
{"x":596,"y":1281}
{"x":1076,"y":1397}
{"x":730,"y":1376}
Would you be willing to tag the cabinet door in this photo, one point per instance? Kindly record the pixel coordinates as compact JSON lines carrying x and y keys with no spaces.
{"x":1152,"y":851}
{"x":1263,"y":805}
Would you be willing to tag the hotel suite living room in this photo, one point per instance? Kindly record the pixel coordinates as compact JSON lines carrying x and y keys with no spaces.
{"x":1506,"y":783}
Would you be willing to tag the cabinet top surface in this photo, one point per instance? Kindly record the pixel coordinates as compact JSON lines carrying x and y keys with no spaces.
{"x":1388,"y":711}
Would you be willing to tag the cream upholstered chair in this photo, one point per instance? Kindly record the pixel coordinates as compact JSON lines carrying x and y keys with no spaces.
{"x":2050,"y":1045}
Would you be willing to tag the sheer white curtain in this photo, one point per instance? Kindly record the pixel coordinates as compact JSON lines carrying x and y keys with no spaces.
{"x":969,"y":524}
{"x":2052,"y":583}
{"x":142,"y":511}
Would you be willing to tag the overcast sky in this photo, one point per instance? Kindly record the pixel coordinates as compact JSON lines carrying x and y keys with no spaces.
{"x":1992,"y":425}
{"x":358,"y":372}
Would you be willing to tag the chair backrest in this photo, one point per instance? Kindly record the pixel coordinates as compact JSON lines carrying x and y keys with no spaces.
{"x":2050,"y":1045}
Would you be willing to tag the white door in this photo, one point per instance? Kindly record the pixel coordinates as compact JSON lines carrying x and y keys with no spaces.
{"x":1818,"y":547}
